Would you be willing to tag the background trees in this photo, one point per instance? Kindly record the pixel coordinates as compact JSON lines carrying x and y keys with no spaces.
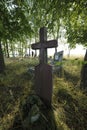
{"x":14,"y":25}
{"x":20,"y":20}
{"x":76,"y":23}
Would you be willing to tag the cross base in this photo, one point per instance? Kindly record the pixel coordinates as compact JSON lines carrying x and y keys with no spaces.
{"x":43,"y":82}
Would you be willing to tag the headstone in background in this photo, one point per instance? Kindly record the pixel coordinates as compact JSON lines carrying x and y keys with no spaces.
{"x":57,"y":62}
{"x":58,"y":56}
{"x":43,"y":71}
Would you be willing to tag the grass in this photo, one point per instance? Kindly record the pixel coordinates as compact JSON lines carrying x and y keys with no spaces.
{"x":69,"y":102}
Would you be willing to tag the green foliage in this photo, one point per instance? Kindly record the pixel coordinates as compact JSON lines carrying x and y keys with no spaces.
{"x":13,"y":23}
{"x":21,"y":20}
{"x":76,"y":23}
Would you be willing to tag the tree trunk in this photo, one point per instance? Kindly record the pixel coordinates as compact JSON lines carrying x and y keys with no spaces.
{"x":2,"y":63}
{"x":22,"y":49}
{"x":12,"y":50}
{"x":29,"y":51}
{"x":29,"y":47}
{"x":83,"y":83}
{"x":7,"y":49}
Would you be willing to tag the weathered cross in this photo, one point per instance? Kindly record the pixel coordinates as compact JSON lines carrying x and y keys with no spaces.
{"x":43,"y":71}
{"x":43,"y":45}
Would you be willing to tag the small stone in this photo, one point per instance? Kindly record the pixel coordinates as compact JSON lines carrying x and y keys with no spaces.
{"x":35,"y":117}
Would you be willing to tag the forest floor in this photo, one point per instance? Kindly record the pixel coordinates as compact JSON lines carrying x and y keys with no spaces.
{"x":69,"y":101}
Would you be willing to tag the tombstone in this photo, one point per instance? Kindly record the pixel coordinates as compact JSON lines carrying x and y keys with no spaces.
{"x":43,"y":71}
{"x":58,"y":56}
{"x":57,"y":64}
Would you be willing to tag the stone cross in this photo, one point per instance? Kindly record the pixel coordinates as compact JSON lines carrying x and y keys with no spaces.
{"x":43,"y":45}
{"x":43,"y":71}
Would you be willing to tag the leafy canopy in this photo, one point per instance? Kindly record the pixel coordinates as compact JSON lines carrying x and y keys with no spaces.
{"x":21,"y":18}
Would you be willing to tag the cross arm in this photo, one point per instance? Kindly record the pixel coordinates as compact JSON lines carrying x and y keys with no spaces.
{"x":36,"y":46}
{"x":46,"y":44}
{"x":51,"y":44}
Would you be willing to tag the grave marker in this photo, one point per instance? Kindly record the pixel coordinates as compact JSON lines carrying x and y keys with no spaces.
{"x":43,"y":71}
{"x":58,"y":56}
{"x":57,"y":66}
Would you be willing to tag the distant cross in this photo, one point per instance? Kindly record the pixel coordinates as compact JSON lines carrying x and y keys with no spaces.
{"x":43,"y":71}
{"x":43,"y":45}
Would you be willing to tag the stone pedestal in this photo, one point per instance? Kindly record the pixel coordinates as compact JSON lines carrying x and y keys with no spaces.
{"x":43,"y":82}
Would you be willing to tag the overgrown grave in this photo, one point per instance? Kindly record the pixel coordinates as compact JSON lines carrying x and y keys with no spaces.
{"x":56,"y":63}
{"x":43,"y":71}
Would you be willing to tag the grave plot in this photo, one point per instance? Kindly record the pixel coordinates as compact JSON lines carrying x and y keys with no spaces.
{"x":43,"y":71}
{"x":56,"y":63}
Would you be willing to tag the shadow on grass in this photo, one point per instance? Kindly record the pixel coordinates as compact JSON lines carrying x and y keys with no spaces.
{"x":13,"y":88}
{"x":75,"y":114}
{"x":71,"y":78}
{"x":32,"y":105}
{"x":26,"y":120}
{"x":15,"y":91}
{"x":11,"y":91}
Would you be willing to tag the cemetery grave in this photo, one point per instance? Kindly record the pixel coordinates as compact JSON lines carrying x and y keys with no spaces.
{"x":57,"y":65}
{"x":43,"y":71}
{"x":58,"y":57}
{"x":69,"y":103}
